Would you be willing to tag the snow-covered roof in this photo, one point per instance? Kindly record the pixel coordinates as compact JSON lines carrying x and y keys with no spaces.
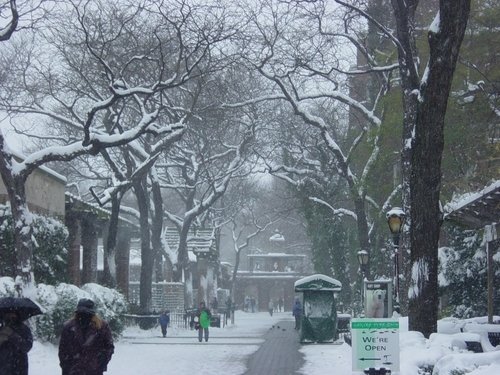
{"x":135,"y":256}
{"x":43,"y":168}
{"x":318,"y":281}
{"x":476,"y":209}
{"x":71,"y":198}
{"x":199,"y":241}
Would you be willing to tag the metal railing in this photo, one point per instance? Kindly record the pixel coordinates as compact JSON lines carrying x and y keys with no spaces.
{"x":178,"y":319}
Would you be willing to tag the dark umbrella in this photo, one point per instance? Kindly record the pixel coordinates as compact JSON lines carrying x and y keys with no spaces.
{"x":23,"y":306}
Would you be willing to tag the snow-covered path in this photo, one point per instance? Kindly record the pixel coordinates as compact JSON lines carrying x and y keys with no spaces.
{"x":145,"y":352}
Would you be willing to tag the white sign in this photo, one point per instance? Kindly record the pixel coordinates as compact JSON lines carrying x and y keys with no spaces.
{"x":375,"y":343}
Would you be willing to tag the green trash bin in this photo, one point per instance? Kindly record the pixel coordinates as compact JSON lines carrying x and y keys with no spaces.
{"x":319,"y":311}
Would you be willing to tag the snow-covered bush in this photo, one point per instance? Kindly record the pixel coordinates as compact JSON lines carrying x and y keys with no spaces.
{"x":110,"y":304}
{"x":7,"y":287}
{"x":59,"y":303}
{"x":462,"y":274}
{"x":49,"y":256}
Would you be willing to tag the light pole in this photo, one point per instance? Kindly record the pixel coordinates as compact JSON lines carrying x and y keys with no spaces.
{"x":363,"y":258}
{"x":396,"y":219}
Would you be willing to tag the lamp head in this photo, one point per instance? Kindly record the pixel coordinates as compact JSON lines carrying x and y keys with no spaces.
{"x":395,"y":219}
{"x":363,"y":257}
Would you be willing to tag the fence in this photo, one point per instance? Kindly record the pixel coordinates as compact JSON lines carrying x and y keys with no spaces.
{"x":178,"y":319}
{"x":164,"y":295}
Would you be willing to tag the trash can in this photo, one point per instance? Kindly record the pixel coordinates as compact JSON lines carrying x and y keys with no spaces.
{"x":319,"y":311}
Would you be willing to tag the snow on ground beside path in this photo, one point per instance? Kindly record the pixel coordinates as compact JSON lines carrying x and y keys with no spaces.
{"x":145,"y":352}
{"x":326,"y":359}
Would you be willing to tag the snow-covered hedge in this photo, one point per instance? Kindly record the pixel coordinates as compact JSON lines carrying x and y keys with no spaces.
{"x":59,"y":303}
{"x":49,"y":256}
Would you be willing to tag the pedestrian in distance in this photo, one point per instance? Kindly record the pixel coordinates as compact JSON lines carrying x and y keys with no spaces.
{"x":164,"y":319}
{"x":86,"y":343}
{"x":252,"y":304}
{"x":203,"y":321}
{"x":215,"y":304}
{"x":297,"y":313}
{"x":280,"y":304}
{"x":16,"y":341}
{"x":270,"y":307}
{"x":228,"y":308}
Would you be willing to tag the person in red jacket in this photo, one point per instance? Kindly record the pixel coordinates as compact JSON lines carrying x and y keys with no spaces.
{"x":86,"y":343}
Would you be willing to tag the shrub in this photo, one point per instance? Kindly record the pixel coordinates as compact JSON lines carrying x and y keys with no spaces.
{"x":59,"y":304}
{"x":49,"y":256}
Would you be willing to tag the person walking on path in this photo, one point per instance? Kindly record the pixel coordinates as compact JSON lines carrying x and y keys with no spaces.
{"x":86,"y":343}
{"x":15,"y":343}
{"x":228,"y":309}
{"x":280,"y":304}
{"x":164,"y":319}
{"x":270,"y":307}
{"x":203,"y":323}
{"x":297,"y":312}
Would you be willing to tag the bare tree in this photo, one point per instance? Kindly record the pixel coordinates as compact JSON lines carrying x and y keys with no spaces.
{"x":84,"y":92}
{"x":316,"y":55}
{"x":199,"y":170}
{"x":304,"y":64}
{"x":11,"y":19}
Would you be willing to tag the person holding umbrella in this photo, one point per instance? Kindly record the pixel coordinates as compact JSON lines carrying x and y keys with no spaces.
{"x":16,"y":339}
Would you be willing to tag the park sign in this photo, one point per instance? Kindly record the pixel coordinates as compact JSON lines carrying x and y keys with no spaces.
{"x":375,"y":344}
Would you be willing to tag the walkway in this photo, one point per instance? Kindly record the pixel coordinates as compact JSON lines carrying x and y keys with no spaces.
{"x":279,"y":354}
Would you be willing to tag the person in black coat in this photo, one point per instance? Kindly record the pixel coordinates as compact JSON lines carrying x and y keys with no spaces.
{"x":86,"y":343}
{"x":16,"y":341}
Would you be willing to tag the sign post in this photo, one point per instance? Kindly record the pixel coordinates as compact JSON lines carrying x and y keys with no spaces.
{"x":375,"y":344}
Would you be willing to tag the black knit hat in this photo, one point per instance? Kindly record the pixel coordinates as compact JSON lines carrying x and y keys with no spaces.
{"x":85,"y":306}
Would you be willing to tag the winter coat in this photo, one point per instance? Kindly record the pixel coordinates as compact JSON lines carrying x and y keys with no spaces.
{"x":85,"y":352}
{"x":14,"y":350}
{"x":164,"y":320}
{"x":204,"y":316}
{"x":297,"y":309}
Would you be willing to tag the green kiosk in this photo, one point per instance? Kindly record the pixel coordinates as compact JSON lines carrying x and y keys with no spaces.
{"x":319,"y":311}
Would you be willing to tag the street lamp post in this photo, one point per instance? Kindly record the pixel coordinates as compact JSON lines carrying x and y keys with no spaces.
{"x":363,"y":258}
{"x":395,"y":219}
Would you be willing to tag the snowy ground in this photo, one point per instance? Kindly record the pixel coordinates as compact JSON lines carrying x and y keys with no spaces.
{"x":146,"y":352}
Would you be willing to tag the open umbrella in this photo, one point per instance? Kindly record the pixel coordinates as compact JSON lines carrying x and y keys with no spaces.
{"x":23,"y":306}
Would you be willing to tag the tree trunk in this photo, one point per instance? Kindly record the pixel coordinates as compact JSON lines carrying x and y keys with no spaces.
{"x":123,"y":260}
{"x":89,"y":249}
{"x":109,"y":272}
{"x":156,"y":231}
{"x":424,"y":103}
{"x":74,"y":242}
{"x":23,"y":233}
{"x":362,"y":226}
{"x":145,"y":295}
{"x":183,"y":260}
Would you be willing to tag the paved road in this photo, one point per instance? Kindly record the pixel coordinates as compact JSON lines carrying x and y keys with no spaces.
{"x":279,"y":353}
